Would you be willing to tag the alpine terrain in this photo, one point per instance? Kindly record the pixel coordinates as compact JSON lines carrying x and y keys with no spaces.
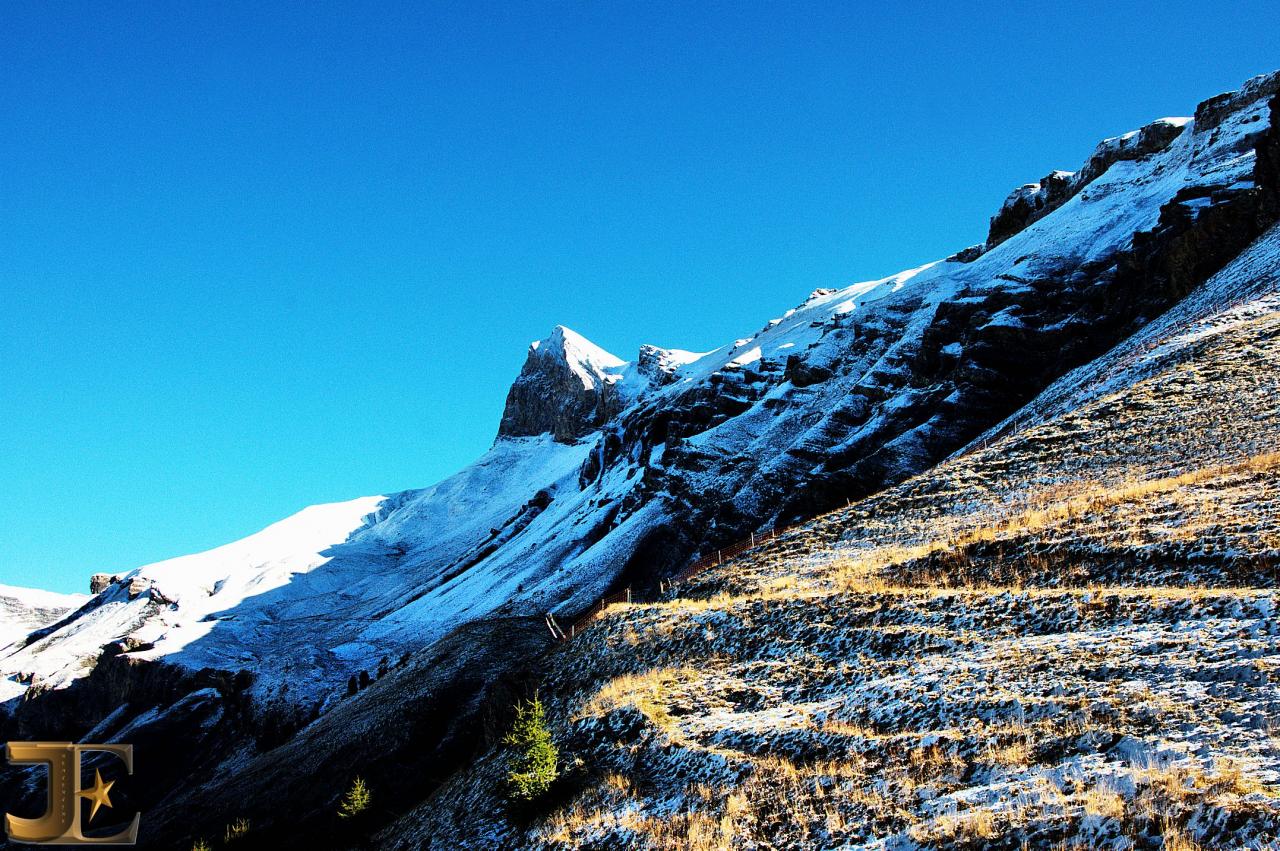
{"x":1022,"y":594}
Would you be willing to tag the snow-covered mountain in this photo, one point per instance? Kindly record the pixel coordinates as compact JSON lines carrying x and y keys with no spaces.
{"x":607,"y":472}
{"x":25,"y":609}
{"x":604,"y":468}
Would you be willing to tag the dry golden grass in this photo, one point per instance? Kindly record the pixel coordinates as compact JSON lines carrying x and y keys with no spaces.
{"x":1177,"y":839}
{"x":871,"y":572}
{"x":605,"y":805}
{"x":695,"y":831}
{"x":646,"y":691}
{"x":1013,"y":754}
{"x":975,"y":824}
{"x":848,"y":728}
{"x":1102,"y":800}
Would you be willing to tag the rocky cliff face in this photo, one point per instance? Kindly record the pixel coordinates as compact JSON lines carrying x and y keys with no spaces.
{"x":568,"y":388}
{"x":878,"y":385}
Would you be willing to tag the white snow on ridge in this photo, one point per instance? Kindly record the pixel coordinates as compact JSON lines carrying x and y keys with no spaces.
{"x":224,"y":576}
{"x":1102,"y":217}
{"x":590,"y":363}
{"x":335,"y":587}
{"x":37,"y":598}
{"x":189,"y":589}
{"x":25,"y":609}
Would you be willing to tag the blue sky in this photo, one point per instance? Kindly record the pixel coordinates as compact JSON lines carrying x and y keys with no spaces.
{"x":255,"y":257}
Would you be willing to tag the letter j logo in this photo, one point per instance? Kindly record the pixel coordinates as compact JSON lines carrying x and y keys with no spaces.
{"x":62,"y":822}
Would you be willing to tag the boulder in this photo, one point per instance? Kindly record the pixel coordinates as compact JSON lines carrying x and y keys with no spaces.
{"x":802,"y":374}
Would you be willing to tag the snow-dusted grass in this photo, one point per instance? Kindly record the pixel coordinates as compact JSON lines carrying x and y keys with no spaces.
{"x":1048,"y":715}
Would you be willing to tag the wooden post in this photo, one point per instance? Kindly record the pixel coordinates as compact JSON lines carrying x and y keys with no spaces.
{"x":628,"y":593}
{"x":753,"y":539}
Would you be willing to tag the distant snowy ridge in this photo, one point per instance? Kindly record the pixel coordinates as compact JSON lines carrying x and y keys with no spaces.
{"x":25,"y":609}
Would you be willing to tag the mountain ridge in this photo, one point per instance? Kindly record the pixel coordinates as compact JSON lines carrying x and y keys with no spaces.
{"x":607,"y":473}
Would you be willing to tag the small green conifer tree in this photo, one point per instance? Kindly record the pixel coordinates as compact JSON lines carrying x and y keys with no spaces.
{"x":534,"y":759}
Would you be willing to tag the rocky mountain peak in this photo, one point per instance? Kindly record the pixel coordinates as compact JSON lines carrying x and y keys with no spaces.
{"x":567,"y":388}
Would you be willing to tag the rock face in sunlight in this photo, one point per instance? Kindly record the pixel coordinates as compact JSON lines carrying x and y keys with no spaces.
{"x":1100,"y":296}
{"x":1063,"y":637}
{"x":568,"y":388}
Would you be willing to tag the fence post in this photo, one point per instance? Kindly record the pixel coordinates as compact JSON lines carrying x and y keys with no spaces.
{"x":753,"y":539}
{"x":628,"y":593}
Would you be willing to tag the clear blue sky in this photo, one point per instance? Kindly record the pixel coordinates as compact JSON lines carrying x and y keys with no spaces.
{"x":254,"y":258}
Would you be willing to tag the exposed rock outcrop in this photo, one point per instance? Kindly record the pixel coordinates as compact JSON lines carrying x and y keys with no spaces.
{"x":658,"y":365}
{"x":1211,"y":112}
{"x":566,"y":389}
{"x":1028,"y":203}
{"x":1032,"y":202}
{"x":802,"y":374}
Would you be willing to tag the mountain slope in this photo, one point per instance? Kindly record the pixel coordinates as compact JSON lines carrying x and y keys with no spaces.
{"x":1062,"y":637}
{"x":23,"y":610}
{"x":607,"y":473}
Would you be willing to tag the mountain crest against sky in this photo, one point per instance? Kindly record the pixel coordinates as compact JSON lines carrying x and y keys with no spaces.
{"x":567,"y":388}
{"x":608,"y":473}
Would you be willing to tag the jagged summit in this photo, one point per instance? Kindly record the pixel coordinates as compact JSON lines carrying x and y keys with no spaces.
{"x":584,"y":358}
{"x":567,"y":388}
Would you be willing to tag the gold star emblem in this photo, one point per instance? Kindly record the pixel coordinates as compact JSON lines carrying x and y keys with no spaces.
{"x":98,"y":793}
